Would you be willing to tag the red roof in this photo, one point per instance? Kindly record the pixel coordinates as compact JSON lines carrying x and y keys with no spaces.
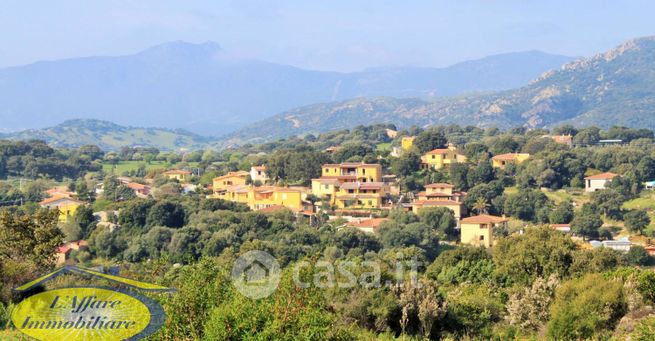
{"x":373,"y":222}
{"x":56,"y":198}
{"x":483,"y":219}
{"x":177,"y":171}
{"x":438,"y":151}
{"x":602,"y":176}
{"x":137,"y":186}
{"x":506,"y":157}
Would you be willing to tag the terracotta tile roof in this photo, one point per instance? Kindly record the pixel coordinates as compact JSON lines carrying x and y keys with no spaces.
{"x":241,"y":174}
{"x":373,"y":222}
{"x":56,"y":198}
{"x":507,"y":157}
{"x":136,"y":186}
{"x":483,"y":219}
{"x":350,"y":165}
{"x":177,"y":171}
{"x":439,"y":151}
{"x":602,"y":176}
{"x":259,"y":168}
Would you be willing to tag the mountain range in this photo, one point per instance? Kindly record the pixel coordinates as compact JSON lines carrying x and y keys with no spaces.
{"x":204,"y":89}
{"x":612,"y":88}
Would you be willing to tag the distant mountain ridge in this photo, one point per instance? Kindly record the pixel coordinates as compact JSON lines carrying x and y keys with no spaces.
{"x":110,"y":136}
{"x":201,"y":88}
{"x":613,"y":88}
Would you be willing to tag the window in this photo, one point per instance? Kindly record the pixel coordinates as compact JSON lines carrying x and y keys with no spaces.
{"x":434,"y":156}
{"x":327,"y":170}
{"x":481,"y":237}
{"x":364,"y":171}
{"x":327,"y":186}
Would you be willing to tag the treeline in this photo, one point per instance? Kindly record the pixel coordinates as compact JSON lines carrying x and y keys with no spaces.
{"x":35,"y":159}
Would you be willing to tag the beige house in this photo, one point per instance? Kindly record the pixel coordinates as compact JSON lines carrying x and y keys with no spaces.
{"x":440,"y":195}
{"x":479,"y":230}
{"x":258,"y":173}
{"x":597,"y":182}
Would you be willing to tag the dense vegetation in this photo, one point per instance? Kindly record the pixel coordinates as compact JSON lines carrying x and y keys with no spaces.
{"x":535,"y":282}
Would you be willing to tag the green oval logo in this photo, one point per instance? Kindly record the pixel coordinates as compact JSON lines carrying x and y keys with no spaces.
{"x":87,"y":313}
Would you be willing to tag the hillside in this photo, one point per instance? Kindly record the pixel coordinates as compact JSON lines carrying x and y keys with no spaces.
{"x":110,"y":136}
{"x":202,"y":88}
{"x":612,"y":88}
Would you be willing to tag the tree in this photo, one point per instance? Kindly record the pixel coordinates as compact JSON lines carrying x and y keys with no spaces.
{"x":166,"y":213}
{"x":585,"y":307}
{"x":637,"y":256}
{"x":528,"y":308}
{"x":29,"y":237}
{"x":429,"y":140}
{"x":440,"y":219}
{"x":480,"y":206}
{"x":458,"y":175}
{"x":586,"y":223}
{"x":406,"y":164}
{"x":539,"y":252}
{"x":562,"y":214}
{"x":636,"y":221}
{"x":525,"y":204}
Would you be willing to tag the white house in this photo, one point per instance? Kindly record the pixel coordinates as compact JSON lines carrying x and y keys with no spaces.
{"x":597,"y":182}
{"x":258,"y":173}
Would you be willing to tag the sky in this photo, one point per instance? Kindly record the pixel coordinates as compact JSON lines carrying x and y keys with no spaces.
{"x":337,"y":35}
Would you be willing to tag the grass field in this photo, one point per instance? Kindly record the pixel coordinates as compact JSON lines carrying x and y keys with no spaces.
{"x":383,"y":146}
{"x":124,"y":166}
{"x":645,"y":202}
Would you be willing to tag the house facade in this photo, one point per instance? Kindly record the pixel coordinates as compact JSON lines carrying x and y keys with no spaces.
{"x":478,"y":230}
{"x":502,"y":160}
{"x":66,"y":206}
{"x":258,"y":173}
{"x":229,"y":179}
{"x":351,"y":185}
{"x":180,"y":175}
{"x":441,"y":158}
{"x":599,"y":181}
{"x":440,"y":195}
{"x":261,"y":197}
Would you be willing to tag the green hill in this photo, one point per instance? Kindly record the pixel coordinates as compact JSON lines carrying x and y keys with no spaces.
{"x":110,"y":136}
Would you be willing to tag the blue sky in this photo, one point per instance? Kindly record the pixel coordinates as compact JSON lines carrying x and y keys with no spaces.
{"x":327,"y":35}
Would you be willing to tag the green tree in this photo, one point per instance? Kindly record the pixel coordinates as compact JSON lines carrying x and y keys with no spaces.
{"x":539,"y":252}
{"x":406,"y":164}
{"x":429,"y":140}
{"x":562,"y":214}
{"x":586,"y":223}
{"x":586,"y":307}
{"x":166,"y":213}
{"x":440,"y":219}
{"x":636,"y":221}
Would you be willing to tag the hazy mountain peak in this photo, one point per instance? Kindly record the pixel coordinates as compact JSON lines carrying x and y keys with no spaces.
{"x":183,"y":49}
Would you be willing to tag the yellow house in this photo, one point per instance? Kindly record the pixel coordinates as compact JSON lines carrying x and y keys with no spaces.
{"x":353,"y":171}
{"x":360,"y":195}
{"x":66,"y":206}
{"x":442,"y":157}
{"x":440,"y":195}
{"x":478,"y":230}
{"x":178,"y":174}
{"x":351,"y":184}
{"x":261,"y":197}
{"x":501,"y":160}
{"x":230,"y":179}
{"x":407,"y":142}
